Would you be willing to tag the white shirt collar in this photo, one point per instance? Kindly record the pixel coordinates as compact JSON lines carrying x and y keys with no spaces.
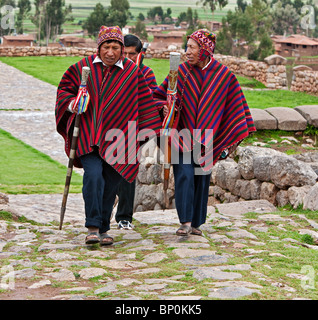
{"x":119,"y":63}
{"x":207,"y":64}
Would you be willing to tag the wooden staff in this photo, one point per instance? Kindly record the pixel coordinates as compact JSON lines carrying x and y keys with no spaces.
{"x":169,"y":119}
{"x":81,"y":103}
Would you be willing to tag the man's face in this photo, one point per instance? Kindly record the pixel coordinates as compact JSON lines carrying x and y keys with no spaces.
{"x":131,"y":53}
{"x":192,"y":53}
{"x":110,"y":52}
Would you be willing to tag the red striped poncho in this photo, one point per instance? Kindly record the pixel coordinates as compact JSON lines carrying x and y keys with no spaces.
{"x":211,"y":101}
{"x":119,"y":104}
{"x":149,"y":76}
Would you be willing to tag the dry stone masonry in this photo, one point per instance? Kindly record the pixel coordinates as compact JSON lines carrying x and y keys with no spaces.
{"x":305,"y":79}
{"x":263,"y":173}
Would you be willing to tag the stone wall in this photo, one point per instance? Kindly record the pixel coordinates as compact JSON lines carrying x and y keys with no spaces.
{"x":45,"y":51}
{"x":272,"y":72}
{"x":304,"y":79}
{"x":256,"y":173}
{"x":263,"y":173}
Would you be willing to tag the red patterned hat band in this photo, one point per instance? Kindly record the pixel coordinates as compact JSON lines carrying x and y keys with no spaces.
{"x":110,"y":33}
{"x":205,"y":39}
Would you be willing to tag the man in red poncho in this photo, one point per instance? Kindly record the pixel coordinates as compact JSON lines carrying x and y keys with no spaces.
{"x":213,"y":118}
{"x":121,"y":107}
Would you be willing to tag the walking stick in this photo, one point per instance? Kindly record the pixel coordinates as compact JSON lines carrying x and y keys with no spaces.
{"x":169,"y":119}
{"x":81,"y":102}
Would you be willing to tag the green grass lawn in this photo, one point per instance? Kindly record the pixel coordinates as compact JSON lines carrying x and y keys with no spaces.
{"x":51,"y":69}
{"x":26,"y":170}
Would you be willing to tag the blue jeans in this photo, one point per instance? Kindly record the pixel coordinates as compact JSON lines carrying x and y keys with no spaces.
{"x":126,"y":196}
{"x":100,"y":183}
{"x":191,"y":191}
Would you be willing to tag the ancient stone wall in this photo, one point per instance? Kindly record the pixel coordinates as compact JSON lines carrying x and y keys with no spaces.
{"x":304,"y":79}
{"x":263,"y":173}
{"x":272,"y":72}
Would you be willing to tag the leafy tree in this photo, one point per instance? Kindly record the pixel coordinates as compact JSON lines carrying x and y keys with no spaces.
{"x":56,"y":15}
{"x":38,"y":17}
{"x":140,"y":30}
{"x":24,"y":9}
{"x":154,"y":12}
{"x":96,"y":19}
{"x":225,"y":43}
{"x":247,"y":32}
{"x":237,"y":34}
{"x":260,"y":14}
{"x":265,"y":47}
{"x":241,"y":4}
{"x":190,"y":17}
{"x":49,"y":17}
{"x":284,"y":18}
{"x":141,"y":17}
{"x":118,"y":13}
{"x":213,"y":3}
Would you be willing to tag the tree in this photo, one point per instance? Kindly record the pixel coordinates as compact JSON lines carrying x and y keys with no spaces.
{"x":24,"y":9}
{"x":118,"y":13}
{"x":241,"y":4}
{"x":247,"y":32}
{"x":55,"y":16}
{"x":260,"y":14}
{"x":140,"y":30}
{"x":141,"y":17}
{"x":265,"y":47}
{"x":284,"y":18}
{"x":115,"y":15}
{"x":213,"y":3}
{"x":96,"y":19}
{"x":154,"y":12}
{"x":225,"y":43}
{"x":37,"y":18}
{"x":49,"y":17}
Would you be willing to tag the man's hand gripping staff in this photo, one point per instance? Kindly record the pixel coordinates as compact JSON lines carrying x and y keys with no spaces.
{"x":79,"y":106}
{"x":169,"y":118}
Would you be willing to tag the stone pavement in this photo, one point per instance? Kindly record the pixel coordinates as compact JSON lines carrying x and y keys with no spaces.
{"x":235,"y":259}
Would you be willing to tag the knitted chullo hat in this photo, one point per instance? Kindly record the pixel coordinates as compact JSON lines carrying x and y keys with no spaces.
{"x":205,"y":39}
{"x":110,"y":33}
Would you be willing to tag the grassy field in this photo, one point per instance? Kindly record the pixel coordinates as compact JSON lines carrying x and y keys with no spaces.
{"x":26,"y":170}
{"x":51,"y":69}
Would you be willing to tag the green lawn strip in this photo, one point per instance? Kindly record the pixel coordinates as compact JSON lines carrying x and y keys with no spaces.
{"x":26,"y":170}
{"x":48,"y":69}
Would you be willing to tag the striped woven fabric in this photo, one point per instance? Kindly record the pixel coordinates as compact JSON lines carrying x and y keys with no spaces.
{"x":149,"y":76}
{"x":211,"y":101}
{"x":121,"y":103}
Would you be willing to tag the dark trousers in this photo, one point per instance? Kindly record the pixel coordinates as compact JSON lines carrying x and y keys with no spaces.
{"x":126,"y":196}
{"x":191,"y":191}
{"x":100,"y":183}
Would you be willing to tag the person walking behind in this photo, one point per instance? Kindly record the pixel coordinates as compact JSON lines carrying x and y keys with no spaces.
{"x":126,"y":190}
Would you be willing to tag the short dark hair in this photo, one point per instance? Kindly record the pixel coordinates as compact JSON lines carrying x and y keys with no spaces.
{"x":133,"y":41}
